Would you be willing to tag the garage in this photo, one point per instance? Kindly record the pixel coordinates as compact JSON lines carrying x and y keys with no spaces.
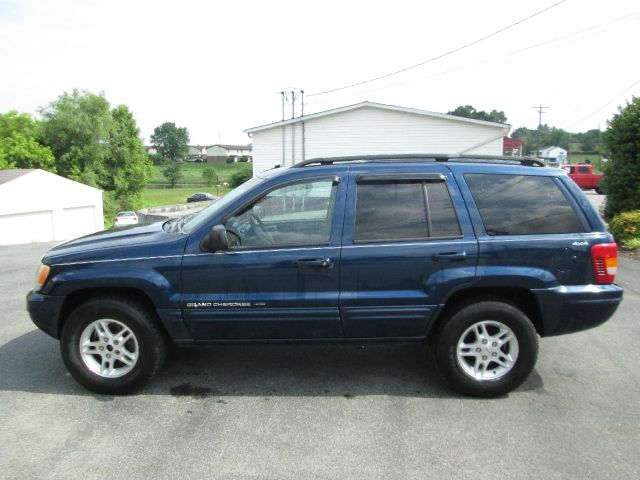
{"x":39,"y":206}
{"x":369,"y":128}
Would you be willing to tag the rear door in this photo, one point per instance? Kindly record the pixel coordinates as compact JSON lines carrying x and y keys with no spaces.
{"x":407,"y":242}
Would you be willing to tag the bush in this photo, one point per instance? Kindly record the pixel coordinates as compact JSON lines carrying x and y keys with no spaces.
{"x":156,"y":158}
{"x":626,"y":226}
{"x":173,"y":173}
{"x":210,"y":176}
{"x":622,"y":174}
{"x":240,"y":177}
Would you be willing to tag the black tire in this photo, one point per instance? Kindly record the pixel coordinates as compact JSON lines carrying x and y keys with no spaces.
{"x":460,"y":322}
{"x":150,"y":344}
{"x":599,"y":191}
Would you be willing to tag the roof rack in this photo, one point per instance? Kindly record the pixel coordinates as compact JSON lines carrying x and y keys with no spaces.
{"x":423,"y":157}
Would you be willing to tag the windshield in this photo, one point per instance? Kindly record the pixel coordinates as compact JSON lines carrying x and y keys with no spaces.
{"x":195,"y":220}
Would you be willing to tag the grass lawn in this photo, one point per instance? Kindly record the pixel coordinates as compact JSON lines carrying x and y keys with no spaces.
{"x":157,"y":197}
{"x":192,"y":172}
{"x":191,"y":175}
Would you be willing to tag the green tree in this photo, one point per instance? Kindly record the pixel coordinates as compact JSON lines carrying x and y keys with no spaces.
{"x":76,"y":127}
{"x":170,"y":141}
{"x":239,"y":177}
{"x":98,"y":146}
{"x":622,"y":173}
{"x":127,"y":168}
{"x":173,"y":172}
{"x":468,"y":111}
{"x":210,"y":176}
{"x":19,"y":147}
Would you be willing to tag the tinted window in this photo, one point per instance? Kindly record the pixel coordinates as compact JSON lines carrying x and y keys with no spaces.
{"x":397,"y":210}
{"x":522,"y":205}
{"x":293,"y":215}
{"x":583,"y":169}
{"x":442,"y":216}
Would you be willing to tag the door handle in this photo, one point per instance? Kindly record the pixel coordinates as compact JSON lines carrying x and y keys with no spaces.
{"x":449,"y":256}
{"x":314,"y":262}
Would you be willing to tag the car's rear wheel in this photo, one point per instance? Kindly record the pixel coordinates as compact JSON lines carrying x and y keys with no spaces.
{"x":112,"y":345}
{"x":486,"y":348}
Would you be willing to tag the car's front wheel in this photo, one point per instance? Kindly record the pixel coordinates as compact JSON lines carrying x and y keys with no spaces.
{"x":112,"y":345}
{"x":486,"y":349}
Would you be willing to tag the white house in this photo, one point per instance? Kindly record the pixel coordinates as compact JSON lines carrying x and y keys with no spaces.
{"x":555,"y":154}
{"x":369,"y":129}
{"x":220,"y":153}
{"x":38,"y":206}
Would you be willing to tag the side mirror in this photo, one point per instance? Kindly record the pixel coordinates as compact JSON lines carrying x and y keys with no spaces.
{"x":216,"y":239}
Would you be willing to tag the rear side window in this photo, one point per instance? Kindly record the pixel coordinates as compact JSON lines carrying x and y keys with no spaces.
{"x":522,"y":205}
{"x":583,"y":169}
{"x":392,"y":210}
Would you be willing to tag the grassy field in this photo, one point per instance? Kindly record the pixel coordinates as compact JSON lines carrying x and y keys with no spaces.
{"x":583,"y":157}
{"x":159,"y":194}
{"x":192,"y":172}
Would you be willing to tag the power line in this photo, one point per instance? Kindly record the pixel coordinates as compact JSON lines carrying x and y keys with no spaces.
{"x":441,"y":55}
{"x":606,"y":104}
{"x":499,"y":57}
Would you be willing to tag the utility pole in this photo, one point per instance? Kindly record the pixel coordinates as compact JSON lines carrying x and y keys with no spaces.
{"x":291,"y":95}
{"x":541,"y":109}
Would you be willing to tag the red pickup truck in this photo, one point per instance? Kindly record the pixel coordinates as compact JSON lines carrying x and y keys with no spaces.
{"x":584,"y":177}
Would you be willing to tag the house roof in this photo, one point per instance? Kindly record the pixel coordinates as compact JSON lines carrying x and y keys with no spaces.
{"x":11,"y":174}
{"x":233,"y":147}
{"x":381,"y":106}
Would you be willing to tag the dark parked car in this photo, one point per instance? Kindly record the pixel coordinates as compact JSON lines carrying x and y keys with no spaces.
{"x":374,"y":249}
{"x":200,"y":197}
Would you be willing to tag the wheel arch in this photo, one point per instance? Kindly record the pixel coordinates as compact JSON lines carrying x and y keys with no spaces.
{"x":80,"y":296}
{"x":521,"y":298}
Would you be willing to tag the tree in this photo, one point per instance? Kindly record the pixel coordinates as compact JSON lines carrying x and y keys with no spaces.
{"x":170,"y":141}
{"x":622,"y":173}
{"x":126,"y":165}
{"x":76,"y":127}
{"x":468,"y":111}
{"x":19,"y":147}
{"x":210,"y":176}
{"x":98,"y":146}
{"x":172,"y":172}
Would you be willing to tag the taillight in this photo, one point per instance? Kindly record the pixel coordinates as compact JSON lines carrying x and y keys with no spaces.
{"x":604,"y":257}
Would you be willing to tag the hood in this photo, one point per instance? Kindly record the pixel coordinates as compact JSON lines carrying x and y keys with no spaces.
{"x":134,"y":241}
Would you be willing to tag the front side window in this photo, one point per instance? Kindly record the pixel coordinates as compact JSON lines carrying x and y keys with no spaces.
{"x":394,"y":210}
{"x":522,"y":205}
{"x":294,"y":215}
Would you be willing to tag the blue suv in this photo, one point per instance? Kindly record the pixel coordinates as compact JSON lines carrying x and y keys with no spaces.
{"x":477,"y":256}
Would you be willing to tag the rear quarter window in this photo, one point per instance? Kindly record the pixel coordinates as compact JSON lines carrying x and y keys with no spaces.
{"x":522,"y":205}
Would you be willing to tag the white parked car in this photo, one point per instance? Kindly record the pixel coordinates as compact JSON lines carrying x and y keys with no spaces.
{"x":126,"y":218}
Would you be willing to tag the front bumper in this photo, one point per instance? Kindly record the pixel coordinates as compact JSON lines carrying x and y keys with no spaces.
{"x":44,"y":311}
{"x":568,"y":309}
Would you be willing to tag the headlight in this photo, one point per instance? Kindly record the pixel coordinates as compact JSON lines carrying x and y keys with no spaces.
{"x":41,"y":276}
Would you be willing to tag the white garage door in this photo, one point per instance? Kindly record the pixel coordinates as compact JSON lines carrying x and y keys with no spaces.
{"x":77,"y":221}
{"x":26,"y":227}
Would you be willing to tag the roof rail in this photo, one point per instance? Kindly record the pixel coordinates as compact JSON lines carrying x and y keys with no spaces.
{"x":423,"y":157}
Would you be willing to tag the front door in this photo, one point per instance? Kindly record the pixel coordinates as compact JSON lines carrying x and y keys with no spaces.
{"x":280,"y":277}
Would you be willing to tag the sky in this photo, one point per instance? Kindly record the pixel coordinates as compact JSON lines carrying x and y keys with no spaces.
{"x":217,"y":67}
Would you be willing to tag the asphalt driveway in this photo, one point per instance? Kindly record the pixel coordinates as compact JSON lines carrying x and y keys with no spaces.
{"x":337,"y":411}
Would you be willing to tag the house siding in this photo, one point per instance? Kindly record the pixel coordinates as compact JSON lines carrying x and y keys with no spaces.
{"x":373,"y":131}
